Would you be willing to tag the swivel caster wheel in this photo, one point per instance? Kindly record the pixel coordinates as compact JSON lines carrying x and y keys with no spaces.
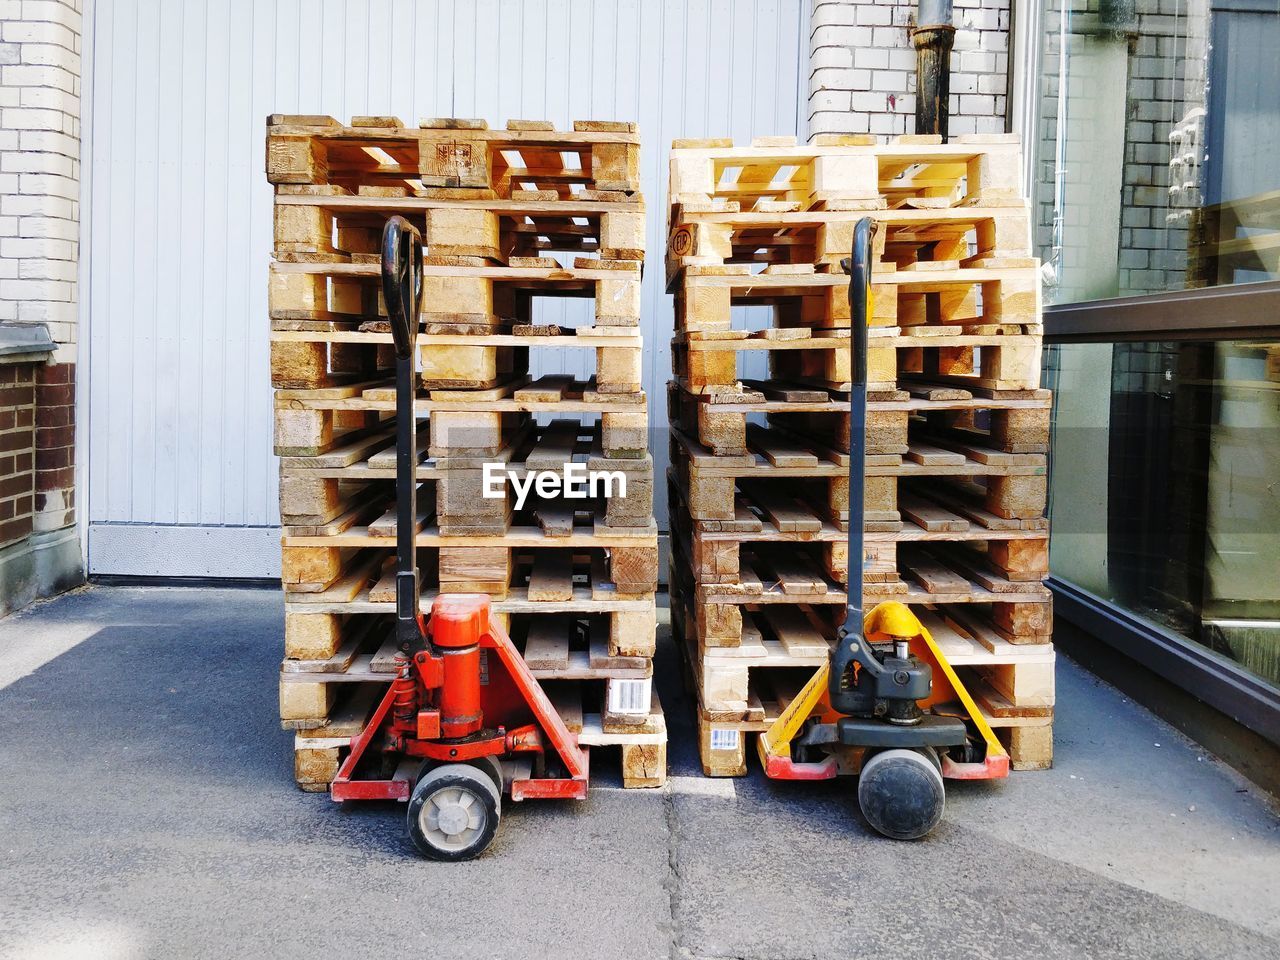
{"x":454,"y":812}
{"x":901,"y":793}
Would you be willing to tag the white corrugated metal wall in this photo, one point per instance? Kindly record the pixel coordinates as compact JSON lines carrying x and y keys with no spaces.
{"x":181,"y":478}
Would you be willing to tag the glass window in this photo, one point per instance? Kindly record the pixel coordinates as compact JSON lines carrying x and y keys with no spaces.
{"x":1165,"y":487}
{"x":1156,"y":152}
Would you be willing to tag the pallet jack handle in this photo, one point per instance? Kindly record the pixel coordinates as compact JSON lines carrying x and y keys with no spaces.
{"x":859,"y":268}
{"x":402,"y":291}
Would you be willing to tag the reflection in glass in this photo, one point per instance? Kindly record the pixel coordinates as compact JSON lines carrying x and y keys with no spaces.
{"x":1160,"y":125}
{"x":1165,"y":487}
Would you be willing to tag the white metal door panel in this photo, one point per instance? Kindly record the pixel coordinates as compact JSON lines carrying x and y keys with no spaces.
{"x":182,"y":481}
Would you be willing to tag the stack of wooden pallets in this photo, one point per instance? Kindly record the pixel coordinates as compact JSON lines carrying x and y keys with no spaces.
{"x":957,"y":424}
{"x":507,"y":217}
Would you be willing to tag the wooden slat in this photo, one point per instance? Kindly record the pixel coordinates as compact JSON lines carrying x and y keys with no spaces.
{"x":552,"y":576}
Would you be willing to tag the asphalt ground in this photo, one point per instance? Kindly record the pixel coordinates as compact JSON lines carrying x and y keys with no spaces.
{"x":147,"y":809}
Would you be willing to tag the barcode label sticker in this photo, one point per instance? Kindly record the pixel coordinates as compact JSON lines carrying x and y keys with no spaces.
{"x":484,"y":668}
{"x":630,"y":696}
{"x":724,"y":739}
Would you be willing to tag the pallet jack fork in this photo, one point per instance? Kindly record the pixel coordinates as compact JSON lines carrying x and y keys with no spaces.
{"x":887,"y":705}
{"x":464,"y":718}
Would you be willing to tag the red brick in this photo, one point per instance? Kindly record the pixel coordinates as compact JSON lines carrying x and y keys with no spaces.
{"x":18,"y":440}
{"x":57,"y":373}
{"x":47,"y":437}
{"x":59,"y":416}
{"x":20,"y":396}
{"x":22,"y":461}
{"x":11,"y":373}
{"x":56,"y":394}
{"x":63,"y":478}
{"x":55,"y":458}
{"x":16,"y":529}
{"x":19,"y":484}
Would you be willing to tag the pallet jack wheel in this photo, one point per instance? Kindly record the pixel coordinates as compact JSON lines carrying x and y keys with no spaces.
{"x":454,"y":812}
{"x":901,"y":793}
{"x":490,"y":765}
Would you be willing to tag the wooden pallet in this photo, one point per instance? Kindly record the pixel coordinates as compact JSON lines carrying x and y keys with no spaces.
{"x":319,"y":488}
{"x":317,"y":629}
{"x":530,"y":159}
{"x":744,"y":690}
{"x":1000,"y":362}
{"x":477,"y":322}
{"x":789,"y":530}
{"x":317,"y":562}
{"x":957,"y":432}
{"x":326,"y":222}
{"x":719,"y":418}
{"x":775,"y":175}
{"x":907,"y":237}
{"x":724,"y":745}
{"x":640,"y":737}
{"x":344,"y":423}
{"x":1006,"y":487}
{"x":561,"y":640}
{"x":1021,"y":609}
{"x":971,"y":293}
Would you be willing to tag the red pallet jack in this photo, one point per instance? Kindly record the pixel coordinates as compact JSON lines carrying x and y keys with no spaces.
{"x":887,"y":707}
{"x":464,"y":718}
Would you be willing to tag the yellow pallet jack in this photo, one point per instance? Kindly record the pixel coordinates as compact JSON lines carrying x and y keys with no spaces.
{"x":887,"y":706}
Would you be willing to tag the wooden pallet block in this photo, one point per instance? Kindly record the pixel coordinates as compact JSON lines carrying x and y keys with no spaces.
{"x":1030,"y":747}
{"x":454,"y":152}
{"x":641,"y":735}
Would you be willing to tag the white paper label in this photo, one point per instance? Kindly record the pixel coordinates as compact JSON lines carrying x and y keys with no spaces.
{"x":630,"y":696}
{"x":724,"y":739}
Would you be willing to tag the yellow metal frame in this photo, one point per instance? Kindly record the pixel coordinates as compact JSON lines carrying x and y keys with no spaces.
{"x":888,"y":619}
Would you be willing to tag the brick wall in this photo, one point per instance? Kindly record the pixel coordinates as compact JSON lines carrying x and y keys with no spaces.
{"x":39,"y":220}
{"x":17,"y":450}
{"x":862,"y":67}
{"x":39,"y":261}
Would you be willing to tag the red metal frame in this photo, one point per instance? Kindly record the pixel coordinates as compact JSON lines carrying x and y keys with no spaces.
{"x":784,"y":768}
{"x":442,"y":691}
{"x":992,"y":768}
